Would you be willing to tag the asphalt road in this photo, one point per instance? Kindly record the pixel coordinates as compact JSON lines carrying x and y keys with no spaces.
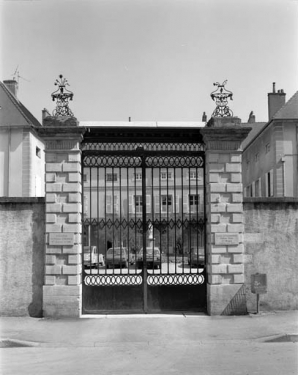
{"x":152,"y":345}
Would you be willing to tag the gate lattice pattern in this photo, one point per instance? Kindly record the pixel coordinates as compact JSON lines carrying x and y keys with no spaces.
{"x":144,"y":224}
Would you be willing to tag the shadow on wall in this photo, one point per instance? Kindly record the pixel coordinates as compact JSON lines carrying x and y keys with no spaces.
{"x":35,"y":307}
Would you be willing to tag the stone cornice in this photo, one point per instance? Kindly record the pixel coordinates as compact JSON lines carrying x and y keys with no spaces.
{"x":224,"y":138}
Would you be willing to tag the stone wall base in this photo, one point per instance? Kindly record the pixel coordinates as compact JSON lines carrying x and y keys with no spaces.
{"x":62,"y":301}
{"x":228,"y":299}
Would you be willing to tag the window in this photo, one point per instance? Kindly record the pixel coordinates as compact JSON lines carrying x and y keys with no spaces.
{"x":111,"y":177}
{"x":257,"y":157}
{"x":267,"y":148}
{"x":38,"y":152}
{"x":194,"y":201}
{"x":84,"y":177}
{"x":166,"y":204}
{"x":136,"y":204}
{"x":138,"y":176}
{"x":269,"y":184}
{"x":166,"y":175}
{"x":112,"y":205}
{"x":192,"y":175}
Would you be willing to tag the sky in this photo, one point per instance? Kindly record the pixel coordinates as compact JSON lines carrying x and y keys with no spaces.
{"x":151,"y":60}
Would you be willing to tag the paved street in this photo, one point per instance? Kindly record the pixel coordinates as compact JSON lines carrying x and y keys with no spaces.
{"x":152,"y":344}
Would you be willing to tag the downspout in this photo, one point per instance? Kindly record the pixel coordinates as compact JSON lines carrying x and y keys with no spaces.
{"x":8,"y":169}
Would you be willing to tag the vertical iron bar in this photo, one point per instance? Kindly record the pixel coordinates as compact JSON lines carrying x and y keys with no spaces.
{"x":113,"y":218}
{"x":105,"y":215}
{"x":97,"y":219}
{"x":175,"y":219}
{"x":120,"y":218}
{"x":205,"y":217}
{"x":144,"y":234}
{"x":182,"y":216}
{"x":160,"y":205}
{"x":189,"y":215}
{"x":167,"y":213}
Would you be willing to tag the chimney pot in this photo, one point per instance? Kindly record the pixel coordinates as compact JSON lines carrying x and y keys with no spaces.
{"x":273,"y":89}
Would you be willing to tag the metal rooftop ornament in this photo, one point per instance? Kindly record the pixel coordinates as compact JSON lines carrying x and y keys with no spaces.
{"x":62,"y":97}
{"x":220,"y":96}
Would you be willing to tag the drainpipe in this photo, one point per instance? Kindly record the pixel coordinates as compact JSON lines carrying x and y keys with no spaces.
{"x":8,"y":169}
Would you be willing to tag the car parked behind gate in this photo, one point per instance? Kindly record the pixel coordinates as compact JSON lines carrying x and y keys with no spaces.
{"x":117,"y":256}
{"x":196,"y":257}
{"x":91,"y":257}
{"x":153,"y":258}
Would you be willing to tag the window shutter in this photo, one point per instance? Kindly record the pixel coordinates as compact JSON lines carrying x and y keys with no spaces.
{"x":177,"y":204}
{"x":271,"y":183}
{"x":156,"y":203}
{"x":260,"y":187}
{"x":185,"y":203}
{"x":85,"y":205}
{"x":116,"y":203}
{"x":148,"y":203}
{"x":108,"y":204}
{"x":253,"y":189}
{"x":131,"y":205}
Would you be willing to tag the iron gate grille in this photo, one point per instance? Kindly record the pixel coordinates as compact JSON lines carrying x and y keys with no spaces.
{"x":144,"y":226}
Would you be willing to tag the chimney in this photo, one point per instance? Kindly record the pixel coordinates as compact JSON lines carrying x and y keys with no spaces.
{"x":204,"y":117}
{"x":45,"y":113}
{"x":12,"y":86}
{"x":275,"y":101}
{"x":252,"y":118}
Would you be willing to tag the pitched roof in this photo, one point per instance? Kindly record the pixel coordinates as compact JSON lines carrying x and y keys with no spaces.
{"x":289,"y":110}
{"x":257,"y":127}
{"x":30,"y":119}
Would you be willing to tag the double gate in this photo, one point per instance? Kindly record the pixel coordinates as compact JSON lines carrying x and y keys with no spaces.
{"x":143,"y":220}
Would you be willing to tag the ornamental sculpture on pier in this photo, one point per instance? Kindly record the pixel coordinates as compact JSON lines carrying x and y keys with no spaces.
{"x":62,"y":97}
{"x":221,"y":96}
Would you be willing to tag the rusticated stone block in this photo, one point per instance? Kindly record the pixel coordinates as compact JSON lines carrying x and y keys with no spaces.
{"x":53,"y":167}
{"x":235,"y":268}
{"x":52,"y":270}
{"x":53,"y":187}
{"x":235,"y":167}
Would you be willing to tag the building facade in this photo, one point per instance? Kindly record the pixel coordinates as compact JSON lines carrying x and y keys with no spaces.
{"x":270,"y":151}
{"x":21,"y":149}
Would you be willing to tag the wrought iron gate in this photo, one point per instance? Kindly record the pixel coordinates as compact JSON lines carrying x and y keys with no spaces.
{"x":143,"y":220}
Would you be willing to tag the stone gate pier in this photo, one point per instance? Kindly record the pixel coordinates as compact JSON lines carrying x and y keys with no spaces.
{"x":63,"y":225}
{"x":224,"y":211}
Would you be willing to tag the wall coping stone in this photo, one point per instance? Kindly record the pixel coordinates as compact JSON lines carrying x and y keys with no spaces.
{"x":271,"y":200}
{"x":22,"y":199}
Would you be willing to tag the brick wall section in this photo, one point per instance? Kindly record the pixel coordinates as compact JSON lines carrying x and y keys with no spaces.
{"x":271,"y":247}
{"x":21,"y":256}
{"x":63,"y":263}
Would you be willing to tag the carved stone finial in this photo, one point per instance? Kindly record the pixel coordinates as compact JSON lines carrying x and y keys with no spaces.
{"x":220,"y":96}
{"x":62,"y":97}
